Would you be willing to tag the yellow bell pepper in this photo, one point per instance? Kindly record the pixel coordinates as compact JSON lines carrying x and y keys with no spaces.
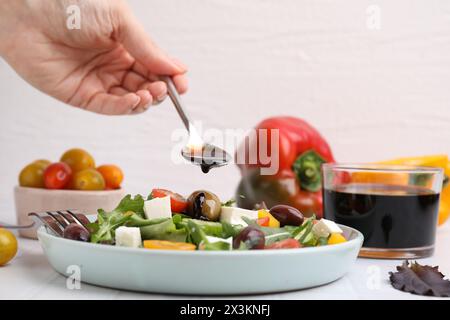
{"x":273,"y":223}
{"x":336,"y":238}
{"x":439,"y":161}
{"x":168,"y":245}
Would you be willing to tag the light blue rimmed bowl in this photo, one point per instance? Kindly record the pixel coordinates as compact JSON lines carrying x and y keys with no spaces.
{"x":202,"y":272}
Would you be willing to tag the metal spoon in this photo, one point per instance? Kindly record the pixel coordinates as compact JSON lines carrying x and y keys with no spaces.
{"x":206,"y":155}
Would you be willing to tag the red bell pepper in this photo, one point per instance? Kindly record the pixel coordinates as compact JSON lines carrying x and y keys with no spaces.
{"x":298,"y":180}
{"x":263,"y":222}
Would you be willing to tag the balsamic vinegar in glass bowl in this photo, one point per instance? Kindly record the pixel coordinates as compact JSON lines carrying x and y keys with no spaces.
{"x":388,"y":216}
{"x":394,"y":207}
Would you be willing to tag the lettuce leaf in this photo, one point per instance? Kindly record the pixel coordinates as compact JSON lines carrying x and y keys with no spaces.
{"x":135,"y":204}
{"x":129,"y":209}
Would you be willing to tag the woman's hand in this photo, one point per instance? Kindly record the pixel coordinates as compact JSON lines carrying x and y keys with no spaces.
{"x":107,"y":66}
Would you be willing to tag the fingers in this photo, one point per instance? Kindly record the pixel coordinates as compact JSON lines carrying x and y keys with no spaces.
{"x":180,"y":80}
{"x":144,"y":50}
{"x":181,"y":83}
{"x":134,"y":82}
{"x":145,"y":103}
{"x":158,"y":90}
{"x":110,"y":104}
{"x":145,"y":96}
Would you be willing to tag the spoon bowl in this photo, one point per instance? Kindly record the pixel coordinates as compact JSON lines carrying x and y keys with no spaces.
{"x":207,"y":156}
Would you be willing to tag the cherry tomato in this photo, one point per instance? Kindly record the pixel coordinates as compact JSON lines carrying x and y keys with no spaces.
{"x":78,"y":159}
{"x":57,"y":175}
{"x":284,"y":244}
{"x":88,"y":179}
{"x":263,"y":222}
{"x":43,"y":162}
{"x":177,"y":202}
{"x":8,"y":246}
{"x":32,"y":175}
{"x":112,"y":174}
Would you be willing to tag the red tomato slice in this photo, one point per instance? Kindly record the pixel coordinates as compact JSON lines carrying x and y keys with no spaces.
{"x":263,"y":222}
{"x":284,"y":244}
{"x":177,"y":202}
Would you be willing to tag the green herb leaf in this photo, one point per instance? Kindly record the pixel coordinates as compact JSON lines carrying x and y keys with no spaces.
{"x":229,"y":203}
{"x":216,"y":246}
{"x":322,"y":241}
{"x":128,"y":209}
{"x":270,"y":239}
{"x":195,"y":233}
{"x":229,"y":230}
{"x":135,"y":204}
{"x":210,"y":228}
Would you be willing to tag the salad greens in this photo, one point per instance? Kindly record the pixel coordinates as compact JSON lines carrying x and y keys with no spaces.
{"x":130,"y":210}
{"x":200,"y":233}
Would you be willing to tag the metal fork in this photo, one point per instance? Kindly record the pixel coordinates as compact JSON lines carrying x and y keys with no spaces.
{"x":15,"y":226}
{"x":57,"y":221}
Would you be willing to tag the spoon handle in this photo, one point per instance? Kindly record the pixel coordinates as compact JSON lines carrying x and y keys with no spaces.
{"x":175,"y":97}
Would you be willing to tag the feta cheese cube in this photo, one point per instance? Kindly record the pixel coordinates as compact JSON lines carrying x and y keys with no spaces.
{"x":158,"y":208}
{"x":233,"y":215}
{"x":325,"y":227}
{"x":128,"y":237}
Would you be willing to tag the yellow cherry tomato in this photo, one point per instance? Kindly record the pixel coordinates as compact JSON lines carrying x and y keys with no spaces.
{"x":336,"y":238}
{"x":43,"y":162}
{"x":78,"y":159}
{"x":8,"y":246}
{"x":168,"y":245}
{"x":112,"y":174}
{"x":88,"y":179}
{"x":32,"y":176}
{"x":273,"y":223}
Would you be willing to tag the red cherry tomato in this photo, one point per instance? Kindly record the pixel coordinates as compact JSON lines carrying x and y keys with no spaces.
{"x":263,"y":222}
{"x":177,"y":202}
{"x":57,"y":175}
{"x":284,"y":244}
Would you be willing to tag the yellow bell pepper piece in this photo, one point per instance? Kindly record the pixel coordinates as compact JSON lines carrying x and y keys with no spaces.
{"x":168,"y":245}
{"x":336,"y":238}
{"x":273,"y":223}
{"x":437,"y":161}
{"x":444,"y":205}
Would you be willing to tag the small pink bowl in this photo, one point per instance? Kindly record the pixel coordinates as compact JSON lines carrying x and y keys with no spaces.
{"x":37,"y":200}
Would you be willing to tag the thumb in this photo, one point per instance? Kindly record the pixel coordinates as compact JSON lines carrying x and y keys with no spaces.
{"x":136,"y":41}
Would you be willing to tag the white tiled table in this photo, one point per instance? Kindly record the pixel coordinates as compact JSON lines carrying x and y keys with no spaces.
{"x":29,"y":276}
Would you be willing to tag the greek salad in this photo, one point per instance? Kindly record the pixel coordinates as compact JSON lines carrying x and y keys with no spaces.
{"x":167,"y":221}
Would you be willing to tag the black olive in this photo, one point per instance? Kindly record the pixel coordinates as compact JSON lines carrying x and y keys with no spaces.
{"x":204,"y":205}
{"x":76,"y":232}
{"x":287,"y":215}
{"x":252,"y":237}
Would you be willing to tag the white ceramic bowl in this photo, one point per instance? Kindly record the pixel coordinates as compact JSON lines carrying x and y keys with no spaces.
{"x":37,"y":200}
{"x":202,"y":272}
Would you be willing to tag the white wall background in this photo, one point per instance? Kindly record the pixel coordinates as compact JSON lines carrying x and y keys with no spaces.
{"x":374,"y":94}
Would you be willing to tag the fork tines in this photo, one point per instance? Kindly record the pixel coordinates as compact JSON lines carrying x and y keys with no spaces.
{"x":58,"y":220}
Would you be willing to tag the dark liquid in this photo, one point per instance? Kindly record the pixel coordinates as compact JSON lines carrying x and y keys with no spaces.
{"x":388,"y":216}
{"x":205,"y":167}
{"x":207,"y":157}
